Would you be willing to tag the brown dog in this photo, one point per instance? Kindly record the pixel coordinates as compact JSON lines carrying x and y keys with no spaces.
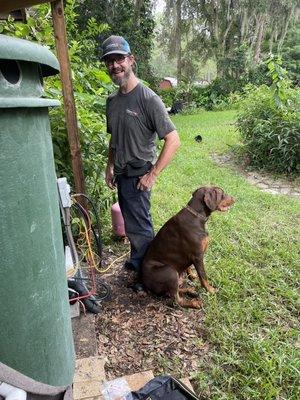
{"x":180,"y":243}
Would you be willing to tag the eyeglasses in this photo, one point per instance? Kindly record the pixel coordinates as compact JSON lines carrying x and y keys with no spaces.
{"x":118,"y":59}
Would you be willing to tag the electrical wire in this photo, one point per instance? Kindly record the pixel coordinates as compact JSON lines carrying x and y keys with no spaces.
{"x":98,"y":241}
{"x":85,"y":213}
{"x":86,"y":231}
{"x":88,"y":254}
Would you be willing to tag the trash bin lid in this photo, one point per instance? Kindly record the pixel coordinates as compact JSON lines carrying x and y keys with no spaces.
{"x":22,"y":50}
{"x":27,"y":102}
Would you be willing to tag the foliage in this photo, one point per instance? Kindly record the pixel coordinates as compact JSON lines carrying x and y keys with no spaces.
{"x":235,"y":34}
{"x":218,"y":92}
{"x":168,"y":96}
{"x":291,"y":54}
{"x":233,"y":64}
{"x":91,"y":86}
{"x":222,"y":93}
{"x":269,"y":123}
{"x":258,"y":75}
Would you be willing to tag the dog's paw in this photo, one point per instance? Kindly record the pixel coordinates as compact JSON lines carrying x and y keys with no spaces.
{"x":192,"y":276}
{"x":211,"y":289}
{"x":142,"y":295}
{"x":138,"y":287}
{"x":196,"y":303}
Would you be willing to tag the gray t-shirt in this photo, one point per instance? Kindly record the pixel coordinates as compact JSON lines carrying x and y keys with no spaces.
{"x":134,"y":120}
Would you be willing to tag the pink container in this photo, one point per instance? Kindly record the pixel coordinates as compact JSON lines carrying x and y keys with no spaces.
{"x":117,"y":220}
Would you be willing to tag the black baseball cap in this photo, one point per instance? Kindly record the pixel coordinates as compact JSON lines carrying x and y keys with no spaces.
{"x":115,"y":45}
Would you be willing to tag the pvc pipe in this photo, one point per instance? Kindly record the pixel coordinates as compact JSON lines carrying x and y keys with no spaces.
{"x":12,"y":393}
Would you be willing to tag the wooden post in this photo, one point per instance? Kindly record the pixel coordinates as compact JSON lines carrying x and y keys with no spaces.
{"x":67,"y":88}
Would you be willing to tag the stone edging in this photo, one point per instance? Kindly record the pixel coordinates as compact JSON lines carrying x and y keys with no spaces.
{"x":263,"y":181}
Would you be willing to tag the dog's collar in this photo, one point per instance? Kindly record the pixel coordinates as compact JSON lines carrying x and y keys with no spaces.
{"x":191,"y":210}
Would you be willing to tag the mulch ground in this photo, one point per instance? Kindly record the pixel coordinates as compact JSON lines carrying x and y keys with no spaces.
{"x":138,"y":331}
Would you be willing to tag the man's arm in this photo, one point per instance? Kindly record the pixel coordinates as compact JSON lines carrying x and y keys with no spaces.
{"x":172,"y":143}
{"x":109,"y":172}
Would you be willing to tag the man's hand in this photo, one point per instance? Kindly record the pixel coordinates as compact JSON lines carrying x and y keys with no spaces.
{"x":172,"y":142}
{"x":109,"y":177}
{"x":147,"y":181}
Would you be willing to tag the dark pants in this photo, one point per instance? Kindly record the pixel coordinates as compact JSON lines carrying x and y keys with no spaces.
{"x":135,"y":207}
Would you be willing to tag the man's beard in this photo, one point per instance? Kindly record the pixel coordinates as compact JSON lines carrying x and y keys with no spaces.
{"x":121,"y":81}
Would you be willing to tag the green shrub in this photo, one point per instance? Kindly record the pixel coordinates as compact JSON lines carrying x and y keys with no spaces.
{"x":271,"y":131}
{"x":221,"y":94}
{"x":258,"y":75}
{"x":218,"y":95}
{"x":167,"y":95}
{"x":91,"y":87}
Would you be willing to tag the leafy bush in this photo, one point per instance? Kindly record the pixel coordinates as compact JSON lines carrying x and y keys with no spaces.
{"x":168,"y":96}
{"x":91,"y":87}
{"x":258,"y":75}
{"x":183,"y":93}
{"x":221,"y":94}
{"x":269,"y":122}
{"x":216,"y":96}
{"x":212,"y":97}
{"x":226,"y":92}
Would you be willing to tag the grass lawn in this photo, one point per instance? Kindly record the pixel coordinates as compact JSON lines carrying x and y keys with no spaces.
{"x":252,"y":323}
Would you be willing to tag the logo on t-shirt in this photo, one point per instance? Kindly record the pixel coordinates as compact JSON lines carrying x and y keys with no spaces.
{"x":130,"y":112}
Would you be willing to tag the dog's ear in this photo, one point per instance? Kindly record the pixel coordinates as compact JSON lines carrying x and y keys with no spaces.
{"x":213,"y":197}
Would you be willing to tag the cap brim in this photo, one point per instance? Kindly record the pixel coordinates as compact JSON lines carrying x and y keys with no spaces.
{"x":114,"y":52}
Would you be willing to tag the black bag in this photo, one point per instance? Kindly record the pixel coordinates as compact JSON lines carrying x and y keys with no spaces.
{"x":163,"y":388}
{"x":137,"y":168}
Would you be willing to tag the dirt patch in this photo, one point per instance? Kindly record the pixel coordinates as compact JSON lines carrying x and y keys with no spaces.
{"x":264,"y":181}
{"x":84,"y":336}
{"x":138,"y":332}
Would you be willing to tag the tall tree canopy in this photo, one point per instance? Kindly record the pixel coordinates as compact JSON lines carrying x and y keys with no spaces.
{"x":232,"y":32}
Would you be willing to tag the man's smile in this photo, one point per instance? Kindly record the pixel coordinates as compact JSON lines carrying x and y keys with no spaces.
{"x":117,"y":71}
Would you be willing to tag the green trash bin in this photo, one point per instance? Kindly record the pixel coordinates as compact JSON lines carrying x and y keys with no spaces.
{"x":36,"y":334}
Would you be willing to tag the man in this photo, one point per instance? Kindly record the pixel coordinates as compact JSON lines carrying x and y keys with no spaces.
{"x":135,"y":115}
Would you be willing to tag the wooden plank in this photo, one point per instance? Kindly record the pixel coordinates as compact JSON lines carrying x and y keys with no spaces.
{"x":89,"y":375}
{"x":11,"y":5}
{"x":67,"y":87}
{"x":86,"y":390}
{"x":138,"y":380}
{"x":90,"y":369}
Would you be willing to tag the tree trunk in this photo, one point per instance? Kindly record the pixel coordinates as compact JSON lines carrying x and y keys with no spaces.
{"x":271,"y":42}
{"x":137,"y":10}
{"x":244,"y":26}
{"x":285,"y":30}
{"x":220,"y":69}
{"x":261,"y":22}
{"x":178,"y":38}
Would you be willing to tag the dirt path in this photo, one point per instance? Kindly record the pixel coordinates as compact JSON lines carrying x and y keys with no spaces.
{"x":141,"y":332}
{"x":263,"y":181}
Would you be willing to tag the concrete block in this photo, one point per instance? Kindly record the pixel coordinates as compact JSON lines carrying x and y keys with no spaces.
{"x":87,"y":389}
{"x":75,"y":310}
{"x":138,"y":380}
{"x":90,"y":369}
